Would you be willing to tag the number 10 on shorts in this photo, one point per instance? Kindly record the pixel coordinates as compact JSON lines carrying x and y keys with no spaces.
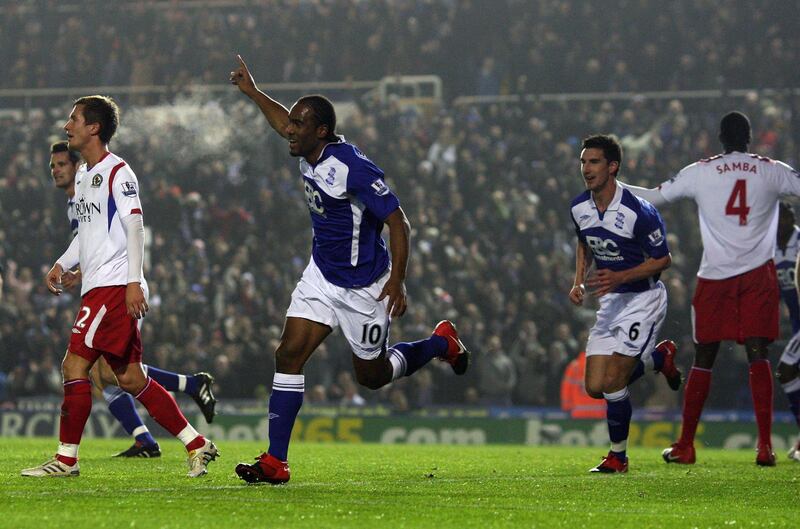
{"x":371,"y":333}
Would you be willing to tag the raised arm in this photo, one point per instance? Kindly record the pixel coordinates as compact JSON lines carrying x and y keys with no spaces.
{"x":277,"y":115}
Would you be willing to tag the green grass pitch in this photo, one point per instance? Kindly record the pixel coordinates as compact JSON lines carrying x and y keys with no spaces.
{"x":341,"y":485}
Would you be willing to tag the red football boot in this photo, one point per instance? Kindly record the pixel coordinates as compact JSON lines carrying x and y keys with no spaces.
{"x":457,"y":355}
{"x":670,"y":372}
{"x":611,"y":464}
{"x":266,"y":469}
{"x":680,"y":454}
{"x":765,"y":456}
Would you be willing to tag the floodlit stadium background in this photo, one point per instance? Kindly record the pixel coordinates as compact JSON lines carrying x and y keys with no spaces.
{"x":474,"y":109}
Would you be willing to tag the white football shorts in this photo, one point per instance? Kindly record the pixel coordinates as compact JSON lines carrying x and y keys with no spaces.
{"x":357,"y":311}
{"x":791,"y":353}
{"x":628,"y":323}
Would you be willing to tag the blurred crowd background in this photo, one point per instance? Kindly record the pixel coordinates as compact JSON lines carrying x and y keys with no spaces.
{"x":486,"y":184}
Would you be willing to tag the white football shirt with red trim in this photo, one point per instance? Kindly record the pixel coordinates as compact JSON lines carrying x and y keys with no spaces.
{"x":737,"y":197}
{"x":104,"y":194}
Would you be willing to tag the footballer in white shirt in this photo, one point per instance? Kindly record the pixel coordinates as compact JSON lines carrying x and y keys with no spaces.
{"x":109,"y":249}
{"x":737,"y":298}
{"x":64,"y":165}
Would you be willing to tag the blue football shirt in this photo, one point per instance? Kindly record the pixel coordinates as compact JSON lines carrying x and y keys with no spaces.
{"x":623,"y":236}
{"x":349,"y":201}
{"x":785,"y":264}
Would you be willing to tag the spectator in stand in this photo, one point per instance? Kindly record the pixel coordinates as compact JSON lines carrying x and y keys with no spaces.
{"x":574,"y":398}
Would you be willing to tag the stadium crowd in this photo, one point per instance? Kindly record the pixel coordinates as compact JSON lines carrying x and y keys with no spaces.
{"x":485,"y":188}
{"x":476,"y":46}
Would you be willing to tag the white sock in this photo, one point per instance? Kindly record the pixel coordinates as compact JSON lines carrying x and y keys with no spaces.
{"x":399,"y":364}
{"x":67,"y":450}
{"x":620,"y":446}
{"x":187,"y":435}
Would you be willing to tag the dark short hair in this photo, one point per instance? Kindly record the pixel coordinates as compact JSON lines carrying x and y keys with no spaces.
{"x":612,"y":150}
{"x":102,"y":110}
{"x":63,"y":146}
{"x":734,"y":130}
{"x":323,"y":111}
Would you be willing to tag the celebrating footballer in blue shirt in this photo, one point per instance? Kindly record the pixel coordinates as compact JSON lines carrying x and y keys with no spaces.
{"x":786,"y":256}
{"x":625,"y":237}
{"x":350,"y":281}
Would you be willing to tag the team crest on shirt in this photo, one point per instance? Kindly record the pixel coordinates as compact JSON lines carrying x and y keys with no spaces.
{"x":97,"y":180}
{"x":379,"y":187}
{"x":129,"y":189}
{"x":619,"y":222}
{"x":331,"y":174}
{"x":656,"y":238}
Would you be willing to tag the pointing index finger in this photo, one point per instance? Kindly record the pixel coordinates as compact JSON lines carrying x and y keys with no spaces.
{"x":241,"y":61}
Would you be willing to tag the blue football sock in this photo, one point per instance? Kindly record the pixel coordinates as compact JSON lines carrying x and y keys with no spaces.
{"x":406,"y":358}
{"x":658,"y":359}
{"x":284,"y":404}
{"x":637,"y":372}
{"x":618,"y":415}
{"x":173,"y":381}
{"x":123,"y":408}
{"x":792,"y":390}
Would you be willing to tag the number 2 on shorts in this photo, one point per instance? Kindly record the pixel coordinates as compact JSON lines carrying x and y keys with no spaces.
{"x":83,"y":315}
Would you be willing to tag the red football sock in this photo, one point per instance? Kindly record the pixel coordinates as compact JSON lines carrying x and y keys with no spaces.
{"x":761,"y":390}
{"x":196,"y":443}
{"x":74,"y":414}
{"x":694,"y":398}
{"x":162,"y":407}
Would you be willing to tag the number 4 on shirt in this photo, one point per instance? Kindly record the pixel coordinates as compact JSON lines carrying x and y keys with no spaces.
{"x":737,"y":203}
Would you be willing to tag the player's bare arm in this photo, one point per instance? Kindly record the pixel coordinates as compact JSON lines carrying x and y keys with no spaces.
{"x":603,"y":281}
{"x":71,"y":278}
{"x":277,"y":115}
{"x":53,"y":279}
{"x":582,"y":260}
{"x":135,"y":300}
{"x":395,"y":288}
{"x":796,"y":270}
